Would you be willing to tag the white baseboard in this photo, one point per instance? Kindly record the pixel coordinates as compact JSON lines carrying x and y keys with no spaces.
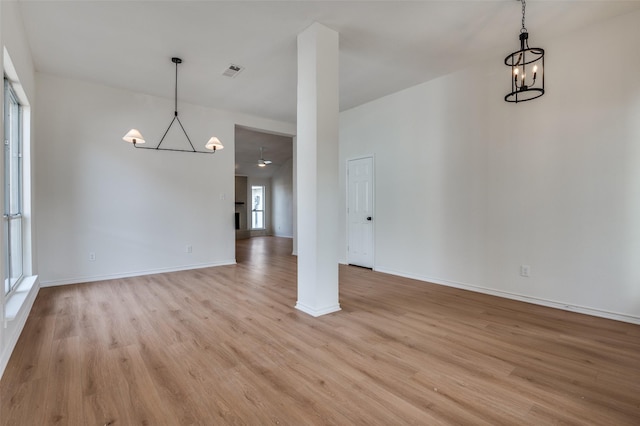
{"x":93,"y":278}
{"x":522,"y":298}
{"x":317,"y":312}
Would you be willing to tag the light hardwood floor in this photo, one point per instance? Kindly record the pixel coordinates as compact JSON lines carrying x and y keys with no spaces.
{"x":225,"y":346}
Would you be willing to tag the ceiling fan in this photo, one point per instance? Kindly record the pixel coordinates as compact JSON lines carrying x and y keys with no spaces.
{"x":262,"y":162}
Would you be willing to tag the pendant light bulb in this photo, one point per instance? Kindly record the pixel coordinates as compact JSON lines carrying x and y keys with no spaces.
{"x":214,"y":144}
{"x":133,"y":136}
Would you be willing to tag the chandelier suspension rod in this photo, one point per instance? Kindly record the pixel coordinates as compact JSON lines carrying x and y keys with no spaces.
{"x":175,"y":97}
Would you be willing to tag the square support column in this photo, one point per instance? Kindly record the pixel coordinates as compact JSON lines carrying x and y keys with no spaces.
{"x":317,"y":171}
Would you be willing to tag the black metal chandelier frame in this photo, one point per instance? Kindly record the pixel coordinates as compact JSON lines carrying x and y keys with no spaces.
{"x":527,"y":68}
{"x":175,"y":119}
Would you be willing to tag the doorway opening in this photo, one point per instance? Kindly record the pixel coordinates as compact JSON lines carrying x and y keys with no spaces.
{"x":264,"y":195}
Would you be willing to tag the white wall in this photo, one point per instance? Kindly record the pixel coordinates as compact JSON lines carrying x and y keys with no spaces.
{"x":470,"y":187}
{"x":294,"y":200}
{"x":137,"y":210}
{"x":282,"y":200}
{"x":15,"y":41}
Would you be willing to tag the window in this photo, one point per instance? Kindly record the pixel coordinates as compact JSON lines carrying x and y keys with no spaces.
{"x":257,"y":211}
{"x":12,"y":188}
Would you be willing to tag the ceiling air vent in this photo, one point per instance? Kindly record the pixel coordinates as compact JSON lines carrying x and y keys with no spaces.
{"x":232,"y":70}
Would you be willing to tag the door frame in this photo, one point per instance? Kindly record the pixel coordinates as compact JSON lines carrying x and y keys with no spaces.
{"x":373,"y":206}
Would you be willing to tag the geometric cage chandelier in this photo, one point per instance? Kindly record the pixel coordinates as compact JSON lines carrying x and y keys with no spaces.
{"x":527,"y":69}
{"x":133,"y":136}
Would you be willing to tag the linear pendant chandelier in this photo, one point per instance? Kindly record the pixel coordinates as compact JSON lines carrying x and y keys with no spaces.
{"x":134,"y":136}
{"x":527,"y":69}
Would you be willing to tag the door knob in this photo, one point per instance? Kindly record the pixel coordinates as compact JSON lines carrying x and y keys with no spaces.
{"x":368,"y":217}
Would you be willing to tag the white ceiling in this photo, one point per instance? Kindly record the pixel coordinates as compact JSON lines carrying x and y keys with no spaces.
{"x":385,"y":46}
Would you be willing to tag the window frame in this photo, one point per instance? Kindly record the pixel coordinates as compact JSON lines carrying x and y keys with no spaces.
{"x":255,"y":210}
{"x":13,"y":209}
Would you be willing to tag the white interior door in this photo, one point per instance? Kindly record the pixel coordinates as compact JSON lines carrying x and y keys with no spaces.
{"x":360,"y":212}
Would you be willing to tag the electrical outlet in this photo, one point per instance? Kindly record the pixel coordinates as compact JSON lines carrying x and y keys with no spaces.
{"x":189,"y":249}
{"x":525,"y":270}
{"x":92,"y":256}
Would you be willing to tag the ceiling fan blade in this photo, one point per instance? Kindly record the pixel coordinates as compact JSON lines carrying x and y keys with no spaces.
{"x":262,"y":162}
